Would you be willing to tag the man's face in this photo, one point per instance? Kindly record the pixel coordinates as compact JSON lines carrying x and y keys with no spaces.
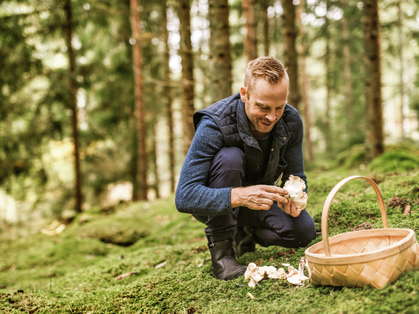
{"x":265,"y":105}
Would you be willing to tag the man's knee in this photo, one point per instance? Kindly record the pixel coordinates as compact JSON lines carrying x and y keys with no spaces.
{"x":298,"y":233}
{"x":228,"y":158}
{"x":304,"y":231}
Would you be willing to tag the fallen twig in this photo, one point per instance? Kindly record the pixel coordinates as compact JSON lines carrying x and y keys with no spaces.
{"x":126,"y":275}
{"x":69,"y":306}
{"x":239,"y":285}
{"x":160,"y":265}
{"x":407,"y":210}
{"x":25,"y":306}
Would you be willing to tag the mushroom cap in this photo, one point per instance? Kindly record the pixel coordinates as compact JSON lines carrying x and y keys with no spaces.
{"x":292,"y":271}
{"x":253,"y":275}
{"x":295,"y":187}
{"x":294,"y":280}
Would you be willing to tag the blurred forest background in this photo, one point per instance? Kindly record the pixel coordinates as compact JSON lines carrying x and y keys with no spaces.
{"x":97,"y":97}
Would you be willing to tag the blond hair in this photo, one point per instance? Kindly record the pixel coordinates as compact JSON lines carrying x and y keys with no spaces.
{"x":267,"y":68}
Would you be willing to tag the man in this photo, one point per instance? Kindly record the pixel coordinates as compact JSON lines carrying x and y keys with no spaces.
{"x":241,"y":146}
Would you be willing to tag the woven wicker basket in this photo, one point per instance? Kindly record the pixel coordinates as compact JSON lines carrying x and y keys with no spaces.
{"x":371,"y":257}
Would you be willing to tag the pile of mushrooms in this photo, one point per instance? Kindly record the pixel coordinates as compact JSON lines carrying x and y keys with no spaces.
{"x":254,"y":274}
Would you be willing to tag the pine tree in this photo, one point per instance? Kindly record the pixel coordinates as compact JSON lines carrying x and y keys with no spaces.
{"x":374,"y":140}
{"x":219,"y":43}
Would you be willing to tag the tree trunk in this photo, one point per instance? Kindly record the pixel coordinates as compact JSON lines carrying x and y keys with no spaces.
{"x":154,"y":155}
{"x":169,"y":102}
{"x":134,"y":160}
{"x":219,"y":44}
{"x":290,"y":51}
{"x":374,"y":116}
{"x":308,"y":143}
{"x":347,"y":70}
{"x":401,"y":73}
{"x":187,"y":73}
{"x":265,"y":27}
{"x":73,"y":105}
{"x":327,"y":115}
{"x":141,"y":194}
{"x":249,"y":12}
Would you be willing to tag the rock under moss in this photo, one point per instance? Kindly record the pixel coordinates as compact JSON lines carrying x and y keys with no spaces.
{"x":121,"y":231}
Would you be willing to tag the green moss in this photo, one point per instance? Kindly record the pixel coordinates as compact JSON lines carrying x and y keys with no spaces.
{"x":395,"y":160}
{"x":68,"y":273}
{"x":120,"y":231}
{"x":351,"y":158}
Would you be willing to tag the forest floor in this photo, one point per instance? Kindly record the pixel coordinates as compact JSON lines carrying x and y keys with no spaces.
{"x":169,"y":267}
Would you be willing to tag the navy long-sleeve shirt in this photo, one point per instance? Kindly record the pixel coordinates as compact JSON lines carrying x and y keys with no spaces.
{"x":194,"y":196}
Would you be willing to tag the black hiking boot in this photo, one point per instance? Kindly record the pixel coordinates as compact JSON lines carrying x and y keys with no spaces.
{"x":244,"y":242}
{"x":224,"y":265}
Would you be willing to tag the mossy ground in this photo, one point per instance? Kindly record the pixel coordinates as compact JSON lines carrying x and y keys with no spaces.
{"x":70,"y":273}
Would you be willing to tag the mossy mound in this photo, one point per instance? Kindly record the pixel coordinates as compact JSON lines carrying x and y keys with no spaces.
{"x":120,"y":231}
{"x":395,"y":161}
{"x":352,"y":157}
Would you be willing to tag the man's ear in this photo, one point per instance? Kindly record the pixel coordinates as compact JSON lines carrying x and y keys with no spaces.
{"x":243,"y":94}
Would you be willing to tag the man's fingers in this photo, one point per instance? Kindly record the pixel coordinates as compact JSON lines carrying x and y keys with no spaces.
{"x":275,"y":189}
{"x":295,"y":212}
{"x":282,"y":200}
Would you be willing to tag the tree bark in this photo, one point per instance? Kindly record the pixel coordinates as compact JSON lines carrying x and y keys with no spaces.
{"x":73,"y":104}
{"x":187,"y":73}
{"x":141,"y":193}
{"x":154,"y":155}
{"x":265,"y":18}
{"x":169,"y":101}
{"x":290,"y":51}
{"x":374,"y":142}
{"x":347,"y":70}
{"x":327,"y":115}
{"x":401,"y":73}
{"x":308,"y":143}
{"x":249,"y":12}
{"x":219,"y":44}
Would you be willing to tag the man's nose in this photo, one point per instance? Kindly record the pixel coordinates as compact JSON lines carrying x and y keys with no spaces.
{"x":271,"y":116}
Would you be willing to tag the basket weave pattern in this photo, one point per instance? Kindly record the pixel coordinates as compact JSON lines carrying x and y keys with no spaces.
{"x":376,"y":273}
{"x":370,"y":257}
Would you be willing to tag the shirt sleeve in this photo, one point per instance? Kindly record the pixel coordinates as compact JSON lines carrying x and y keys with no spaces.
{"x":294,"y":156}
{"x":192,"y":194}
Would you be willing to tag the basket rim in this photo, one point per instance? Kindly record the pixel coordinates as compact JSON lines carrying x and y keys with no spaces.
{"x":339,"y":259}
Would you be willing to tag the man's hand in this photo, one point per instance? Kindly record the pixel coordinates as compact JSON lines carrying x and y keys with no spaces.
{"x":290,"y":209}
{"x":258,"y":197}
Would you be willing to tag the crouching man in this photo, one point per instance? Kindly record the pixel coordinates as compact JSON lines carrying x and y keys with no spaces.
{"x":241,"y":146}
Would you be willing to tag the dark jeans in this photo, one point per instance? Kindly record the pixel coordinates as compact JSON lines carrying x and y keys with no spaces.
{"x":270,"y":227}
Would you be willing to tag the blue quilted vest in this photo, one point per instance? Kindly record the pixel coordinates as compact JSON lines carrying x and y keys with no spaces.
{"x":230,"y":116}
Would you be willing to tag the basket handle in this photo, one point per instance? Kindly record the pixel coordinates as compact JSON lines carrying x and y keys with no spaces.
{"x":329,"y":200}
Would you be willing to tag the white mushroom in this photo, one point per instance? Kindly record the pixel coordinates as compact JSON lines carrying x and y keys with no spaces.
{"x":254,"y":274}
{"x":301,"y":265}
{"x":297,"y":277}
{"x":295,"y":187}
{"x":279,"y":274}
{"x":294,"y":280}
{"x":292,"y":271}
